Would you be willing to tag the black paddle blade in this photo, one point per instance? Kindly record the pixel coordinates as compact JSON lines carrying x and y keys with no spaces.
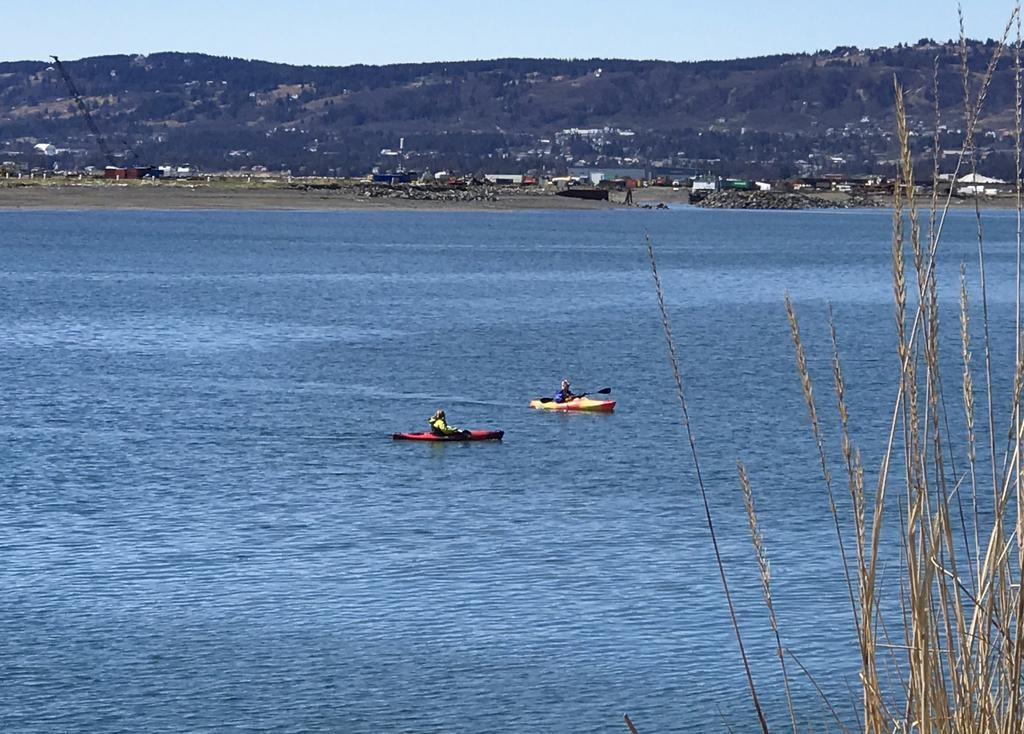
{"x":603,"y":391}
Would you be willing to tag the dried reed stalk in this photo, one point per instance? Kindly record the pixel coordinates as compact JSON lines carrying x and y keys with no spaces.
{"x":681,"y":395}
{"x":765,"y":569}
{"x":808,"y":390}
{"x":629,"y":723}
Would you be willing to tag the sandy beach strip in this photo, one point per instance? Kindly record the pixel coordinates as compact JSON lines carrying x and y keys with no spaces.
{"x":156,"y":195}
{"x":135,"y":195}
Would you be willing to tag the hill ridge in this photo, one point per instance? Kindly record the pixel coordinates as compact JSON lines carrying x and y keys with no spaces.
{"x":775,"y":115}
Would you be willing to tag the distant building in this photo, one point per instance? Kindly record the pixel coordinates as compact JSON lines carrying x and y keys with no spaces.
{"x":974,"y":184}
{"x":702,"y":187}
{"x":673,"y":174}
{"x":171,"y":171}
{"x":705,"y":184}
{"x":977,"y":178}
{"x":399,"y":177}
{"x":135,"y":172}
{"x":597,"y":175}
{"x":48,"y":149}
{"x":513,"y":179}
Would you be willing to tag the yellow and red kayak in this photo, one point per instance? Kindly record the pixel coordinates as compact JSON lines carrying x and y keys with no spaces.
{"x":585,"y":404}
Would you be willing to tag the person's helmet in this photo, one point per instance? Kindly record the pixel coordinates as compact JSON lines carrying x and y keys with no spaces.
{"x":565,"y":384}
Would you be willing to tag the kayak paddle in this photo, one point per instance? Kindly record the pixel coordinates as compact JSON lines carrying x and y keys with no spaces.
{"x":602,"y":391}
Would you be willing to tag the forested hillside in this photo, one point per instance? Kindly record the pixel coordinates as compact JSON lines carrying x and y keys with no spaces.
{"x":776,"y":115}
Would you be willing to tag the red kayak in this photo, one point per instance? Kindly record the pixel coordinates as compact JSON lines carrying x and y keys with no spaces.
{"x":462,"y":436}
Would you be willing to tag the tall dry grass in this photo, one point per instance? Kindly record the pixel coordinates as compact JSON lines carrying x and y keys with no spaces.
{"x":951,"y":659}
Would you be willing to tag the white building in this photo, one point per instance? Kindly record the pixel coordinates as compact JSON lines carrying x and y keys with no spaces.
{"x":45,"y":148}
{"x":974,"y":184}
{"x":705,"y":183}
{"x":977,"y":178}
{"x":504,"y":178}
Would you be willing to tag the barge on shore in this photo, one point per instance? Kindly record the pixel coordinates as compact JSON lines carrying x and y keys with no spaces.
{"x":591,"y":194}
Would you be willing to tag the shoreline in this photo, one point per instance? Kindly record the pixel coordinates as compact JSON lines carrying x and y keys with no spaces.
{"x":15,"y":196}
{"x":23,"y":195}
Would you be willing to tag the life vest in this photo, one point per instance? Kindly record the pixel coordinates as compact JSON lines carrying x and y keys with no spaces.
{"x":439,"y":425}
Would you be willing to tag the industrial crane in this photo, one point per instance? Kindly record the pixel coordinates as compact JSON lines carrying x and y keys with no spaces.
{"x":90,"y":123}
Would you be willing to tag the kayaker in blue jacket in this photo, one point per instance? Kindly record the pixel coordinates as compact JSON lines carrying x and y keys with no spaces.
{"x":564,"y":395}
{"x":439,"y":424}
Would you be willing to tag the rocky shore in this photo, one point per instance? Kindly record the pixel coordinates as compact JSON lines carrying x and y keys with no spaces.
{"x":420,"y":192}
{"x":292,"y":195}
{"x":774,"y":200}
{"x":328,"y":194}
{"x":430,"y":193}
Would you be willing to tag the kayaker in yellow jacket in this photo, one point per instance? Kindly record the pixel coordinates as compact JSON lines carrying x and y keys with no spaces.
{"x":564,"y":395}
{"x":439,"y":424}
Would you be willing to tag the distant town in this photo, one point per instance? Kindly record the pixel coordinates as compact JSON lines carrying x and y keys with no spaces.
{"x":563,"y":162}
{"x":816,"y":122}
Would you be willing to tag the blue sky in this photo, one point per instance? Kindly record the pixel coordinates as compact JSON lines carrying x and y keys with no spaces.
{"x":350,"y":32}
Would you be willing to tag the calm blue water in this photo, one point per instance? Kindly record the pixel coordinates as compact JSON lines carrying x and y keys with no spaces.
{"x":205,"y":526}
